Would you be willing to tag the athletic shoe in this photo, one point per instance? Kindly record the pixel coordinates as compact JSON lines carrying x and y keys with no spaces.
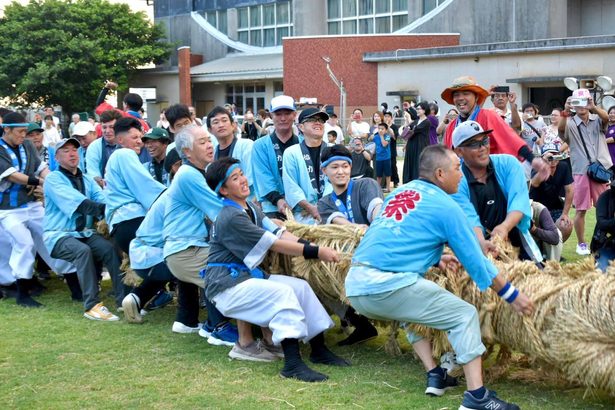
{"x":130,"y":304}
{"x":277,"y":351}
{"x":206,"y":331}
{"x":161,"y":299}
{"x":437,"y":385}
{"x":224,"y":335}
{"x":179,"y":327}
{"x":100,"y":312}
{"x":489,"y":402}
{"x":582,"y":249}
{"x":254,"y":352}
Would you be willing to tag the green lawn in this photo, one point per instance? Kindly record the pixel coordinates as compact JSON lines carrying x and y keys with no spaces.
{"x":54,"y":358}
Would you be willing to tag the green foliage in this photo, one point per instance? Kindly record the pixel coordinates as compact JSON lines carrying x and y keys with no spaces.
{"x":61,"y":52}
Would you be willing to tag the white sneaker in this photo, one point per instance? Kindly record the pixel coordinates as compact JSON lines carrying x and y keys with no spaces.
{"x":132,"y":313}
{"x":179,"y":327}
{"x":582,"y":249}
{"x":100,"y":312}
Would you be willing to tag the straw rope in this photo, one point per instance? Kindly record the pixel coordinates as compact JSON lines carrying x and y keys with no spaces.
{"x":571,"y":330}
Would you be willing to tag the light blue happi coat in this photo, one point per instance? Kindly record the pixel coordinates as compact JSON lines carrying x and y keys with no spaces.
{"x":93,"y":157}
{"x":61,"y":202}
{"x":407,"y":238}
{"x":130,"y":189}
{"x":267,"y":177}
{"x":146,"y":248}
{"x":243,"y":152}
{"x":297,"y":184}
{"x":511,"y":178}
{"x":189,"y":202}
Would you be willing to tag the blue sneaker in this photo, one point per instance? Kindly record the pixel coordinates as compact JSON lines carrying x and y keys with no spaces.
{"x":206,"y":330}
{"x":161,"y":299}
{"x":489,"y":402}
{"x":224,"y":335}
{"x":437,"y":385}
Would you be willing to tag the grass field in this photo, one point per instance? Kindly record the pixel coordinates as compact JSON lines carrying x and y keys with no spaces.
{"x":53,"y":358}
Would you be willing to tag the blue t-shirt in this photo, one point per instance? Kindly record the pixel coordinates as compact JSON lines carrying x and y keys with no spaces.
{"x":382,"y":153}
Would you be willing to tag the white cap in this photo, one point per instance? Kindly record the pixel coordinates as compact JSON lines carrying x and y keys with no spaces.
{"x":580,"y":97}
{"x":467,"y":130}
{"x":82,"y":128}
{"x":282,"y":102}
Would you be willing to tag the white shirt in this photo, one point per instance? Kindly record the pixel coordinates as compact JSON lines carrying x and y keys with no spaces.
{"x":338,"y":131}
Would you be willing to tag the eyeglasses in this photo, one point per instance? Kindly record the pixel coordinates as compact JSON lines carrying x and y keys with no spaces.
{"x":476,"y":144}
{"x":314,"y":119}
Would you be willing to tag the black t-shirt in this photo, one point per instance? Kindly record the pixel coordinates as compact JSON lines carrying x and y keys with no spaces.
{"x":488,"y":198}
{"x":315,"y":157}
{"x":226,"y":152}
{"x":550,"y":191}
{"x":360,"y":166}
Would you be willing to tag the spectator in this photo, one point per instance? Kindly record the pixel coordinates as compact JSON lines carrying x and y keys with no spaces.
{"x":451,"y":115}
{"x":250,"y":129}
{"x":361,"y":160}
{"x":505,"y":105}
{"x":534,"y":129}
{"x":331,"y":136}
{"x":332,"y":125}
{"x":196,"y":120}
{"x":49,"y":111}
{"x":433,"y":123}
{"x":610,"y":133}
{"x":548,"y":191}
{"x":74,"y":120}
{"x":394,"y":133}
{"x":383,"y":156}
{"x":416,"y":143}
{"x":377,"y":119}
{"x":357,"y":127}
{"x":51,"y":135}
{"x":267,"y":124}
{"x":132,"y":104}
{"x":584,"y":134}
{"x":46,"y":154}
{"x":163,"y":123}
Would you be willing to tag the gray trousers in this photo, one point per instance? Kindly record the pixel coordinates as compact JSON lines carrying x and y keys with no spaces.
{"x":83,"y":253}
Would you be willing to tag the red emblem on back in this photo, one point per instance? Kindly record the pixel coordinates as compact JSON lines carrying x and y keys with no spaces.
{"x":401,"y":205}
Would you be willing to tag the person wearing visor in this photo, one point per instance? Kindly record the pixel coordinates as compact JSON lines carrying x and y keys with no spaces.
{"x":493,"y":192}
{"x":304,"y":182}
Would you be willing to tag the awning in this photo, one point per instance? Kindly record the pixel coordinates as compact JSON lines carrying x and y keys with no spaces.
{"x":239,"y":67}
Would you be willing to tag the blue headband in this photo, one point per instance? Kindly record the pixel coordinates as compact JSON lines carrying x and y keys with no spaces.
{"x":228,"y":174}
{"x":18,"y":124}
{"x":336,"y":158}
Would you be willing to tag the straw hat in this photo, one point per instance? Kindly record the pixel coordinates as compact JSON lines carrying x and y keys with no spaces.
{"x":465,"y":83}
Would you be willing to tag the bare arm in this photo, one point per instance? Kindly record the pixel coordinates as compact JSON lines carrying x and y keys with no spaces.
{"x":568,"y":199}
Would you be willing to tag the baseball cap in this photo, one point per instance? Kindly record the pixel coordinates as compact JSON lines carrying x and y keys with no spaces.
{"x":312,"y":112}
{"x":33,"y":127}
{"x":282,"y":102}
{"x":546,"y":148}
{"x":157,"y":133}
{"x":65,"y":141}
{"x":580,"y":97}
{"x":467,"y":130}
{"x":82,"y":128}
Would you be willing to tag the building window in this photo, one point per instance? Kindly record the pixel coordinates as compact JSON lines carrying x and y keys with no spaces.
{"x":217,"y":18}
{"x":366,"y":16}
{"x":429,"y":5}
{"x":265,"y":25}
{"x":246,"y":96}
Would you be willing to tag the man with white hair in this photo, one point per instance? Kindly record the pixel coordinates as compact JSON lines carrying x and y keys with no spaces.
{"x":189,"y":203}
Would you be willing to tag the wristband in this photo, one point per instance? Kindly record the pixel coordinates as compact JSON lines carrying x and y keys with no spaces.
{"x":33,"y":181}
{"x":303,"y":241}
{"x":509,"y":293}
{"x":310,"y":251}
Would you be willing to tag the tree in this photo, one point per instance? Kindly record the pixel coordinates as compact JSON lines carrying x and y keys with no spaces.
{"x":61,"y":52}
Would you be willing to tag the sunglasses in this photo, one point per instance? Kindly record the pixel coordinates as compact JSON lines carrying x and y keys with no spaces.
{"x":477,"y":144}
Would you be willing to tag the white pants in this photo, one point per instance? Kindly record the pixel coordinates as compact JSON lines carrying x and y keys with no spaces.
{"x":287,"y":305}
{"x":24,"y":229}
{"x":6,"y":275}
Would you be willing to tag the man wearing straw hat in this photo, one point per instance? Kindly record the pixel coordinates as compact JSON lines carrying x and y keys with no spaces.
{"x":387,"y":283}
{"x":468,"y":97}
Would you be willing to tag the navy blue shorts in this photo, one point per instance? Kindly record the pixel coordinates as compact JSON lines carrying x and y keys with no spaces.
{"x":383,"y":168}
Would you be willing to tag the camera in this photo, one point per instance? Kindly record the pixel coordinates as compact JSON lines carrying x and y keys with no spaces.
{"x":579,"y":102}
{"x":557,"y":157}
{"x":501,"y":89}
